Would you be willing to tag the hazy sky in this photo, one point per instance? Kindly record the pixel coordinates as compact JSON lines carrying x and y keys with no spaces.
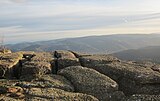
{"x":32,"y":20}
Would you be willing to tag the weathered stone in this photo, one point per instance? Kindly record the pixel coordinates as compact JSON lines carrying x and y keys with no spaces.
{"x":48,"y":81}
{"x":8,"y":82}
{"x":17,"y":95}
{"x":10,"y":92}
{"x":66,"y":62}
{"x":66,"y":59}
{"x":38,"y":65}
{"x":10,"y":89}
{"x":14,"y":89}
{"x":5,"y":98}
{"x":90,"y":82}
{"x":131,"y":78}
{"x":52,"y":94}
{"x":141,"y":79}
{"x":34,"y":98}
{"x":118,"y":96}
{"x":35,"y":69}
{"x":144,"y":98}
{"x":7,"y":64}
{"x":91,"y":61}
{"x":64,"y":54}
{"x":42,"y":57}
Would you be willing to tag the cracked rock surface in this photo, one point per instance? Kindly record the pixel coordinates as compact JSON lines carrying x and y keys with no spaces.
{"x":71,"y":76}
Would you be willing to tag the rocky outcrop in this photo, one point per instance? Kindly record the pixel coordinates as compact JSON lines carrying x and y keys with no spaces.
{"x":67,"y":75}
{"x":47,"y":94}
{"x":132,"y":78}
{"x":45,"y":88}
{"x":91,"y":82}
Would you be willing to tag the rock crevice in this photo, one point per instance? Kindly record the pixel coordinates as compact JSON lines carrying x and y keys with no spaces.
{"x":68,"y":75}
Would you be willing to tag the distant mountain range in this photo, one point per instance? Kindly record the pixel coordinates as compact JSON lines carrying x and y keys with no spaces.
{"x":151,"y":53}
{"x":92,"y":44}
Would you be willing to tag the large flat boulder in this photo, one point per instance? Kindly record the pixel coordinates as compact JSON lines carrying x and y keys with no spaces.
{"x":8,"y":62}
{"x":132,"y":78}
{"x":90,"y":82}
{"x":92,"y":60}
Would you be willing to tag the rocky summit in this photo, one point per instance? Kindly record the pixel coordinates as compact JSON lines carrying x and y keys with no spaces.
{"x":71,"y":76}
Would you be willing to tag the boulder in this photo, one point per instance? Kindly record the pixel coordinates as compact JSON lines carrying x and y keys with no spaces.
{"x":90,"y":82}
{"x":66,"y":59}
{"x":132,"y":78}
{"x":38,"y":65}
{"x":66,"y":62}
{"x":33,"y":69}
{"x":48,"y":81}
{"x":92,"y":60}
{"x":53,"y":94}
{"x":8,"y":62}
{"x":64,"y":54}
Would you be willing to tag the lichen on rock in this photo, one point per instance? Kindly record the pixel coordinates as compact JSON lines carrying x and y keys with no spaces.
{"x":90,"y":82}
{"x":53,"y":94}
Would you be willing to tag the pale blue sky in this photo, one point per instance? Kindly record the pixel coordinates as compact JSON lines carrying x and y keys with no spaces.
{"x":33,"y":20}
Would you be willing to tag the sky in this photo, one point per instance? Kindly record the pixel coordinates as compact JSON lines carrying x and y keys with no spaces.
{"x":35,"y":20}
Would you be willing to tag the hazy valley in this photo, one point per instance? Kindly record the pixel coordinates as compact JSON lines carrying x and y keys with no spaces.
{"x":127,"y":47}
